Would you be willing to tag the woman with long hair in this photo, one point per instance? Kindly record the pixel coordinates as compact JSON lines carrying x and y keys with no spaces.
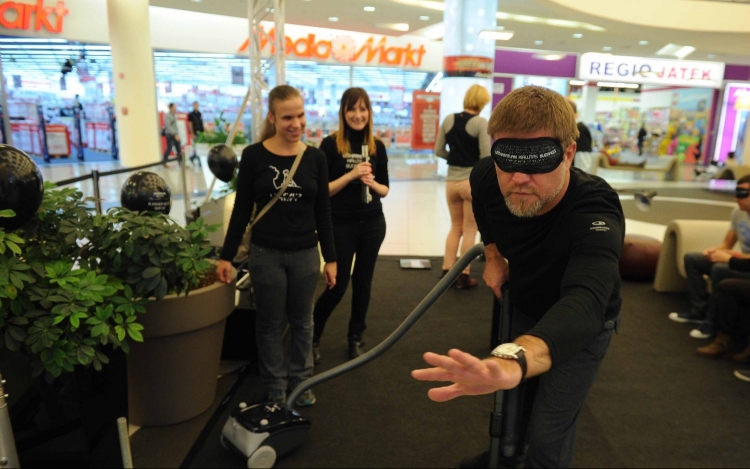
{"x":357,"y":183}
{"x":284,"y":260}
{"x":466,"y":135}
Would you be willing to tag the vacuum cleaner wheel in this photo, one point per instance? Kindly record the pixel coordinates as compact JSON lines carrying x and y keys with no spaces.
{"x":265,"y":457}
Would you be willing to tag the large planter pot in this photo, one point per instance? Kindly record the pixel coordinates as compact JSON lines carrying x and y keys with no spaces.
{"x":172,"y":374}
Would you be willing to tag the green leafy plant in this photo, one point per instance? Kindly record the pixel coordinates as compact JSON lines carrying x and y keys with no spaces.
{"x":73,"y":282}
{"x":220,"y":133}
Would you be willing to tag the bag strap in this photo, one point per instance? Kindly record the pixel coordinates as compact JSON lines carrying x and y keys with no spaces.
{"x":284,"y":185}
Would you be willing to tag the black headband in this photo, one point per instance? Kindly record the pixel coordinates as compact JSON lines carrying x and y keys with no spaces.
{"x":528,"y":156}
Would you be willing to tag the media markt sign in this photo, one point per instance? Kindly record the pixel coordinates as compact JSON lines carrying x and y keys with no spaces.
{"x":343,"y":46}
{"x":33,"y":16}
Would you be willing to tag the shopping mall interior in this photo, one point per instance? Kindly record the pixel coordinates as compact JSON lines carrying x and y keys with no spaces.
{"x":662,"y":86}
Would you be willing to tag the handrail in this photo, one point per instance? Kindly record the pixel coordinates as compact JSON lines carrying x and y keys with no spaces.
{"x":95,"y":175}
{"x":443,"y":285}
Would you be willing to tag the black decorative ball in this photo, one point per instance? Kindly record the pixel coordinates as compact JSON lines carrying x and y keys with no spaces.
{"x":21,"y":187}
{"x":222,"y":161}
{"x":145,"y":191}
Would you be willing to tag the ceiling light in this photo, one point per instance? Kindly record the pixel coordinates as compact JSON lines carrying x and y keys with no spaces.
{"x":549,"y":56}
{"x":577,"y":35}
{"x":538,"y":43}
{"x":424,"y":18}
{"x":395,"y":26}
{"x":369,"y":8}
{"x":711,"y":56}
{"x":434,"y":32}
{"x":495,"y":34}
{"x":333,"y":18}
{"x":606,"y":48}
{"x":577,"y":82}
{"x":197,"y":1}
{"x":643,"y":43}
{"x":610,"y":84}
{"x":676,"y":50}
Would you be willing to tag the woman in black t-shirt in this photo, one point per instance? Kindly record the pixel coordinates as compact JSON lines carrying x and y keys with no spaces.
{"x":356,"y":187}
{"x":284,"y":260}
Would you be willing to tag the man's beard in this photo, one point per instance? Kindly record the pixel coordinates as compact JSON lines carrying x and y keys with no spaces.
{"x":522,"y":211}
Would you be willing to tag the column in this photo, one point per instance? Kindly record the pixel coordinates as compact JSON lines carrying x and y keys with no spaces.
{"x":589,"y":95}
{"x":468,"y":59}
{"x":134,"y":82}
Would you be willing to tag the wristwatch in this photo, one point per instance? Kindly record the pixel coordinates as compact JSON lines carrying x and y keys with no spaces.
{"x":511,"y":351}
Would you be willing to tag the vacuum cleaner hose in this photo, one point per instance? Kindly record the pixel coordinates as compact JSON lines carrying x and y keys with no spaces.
{"x":442,"y":286}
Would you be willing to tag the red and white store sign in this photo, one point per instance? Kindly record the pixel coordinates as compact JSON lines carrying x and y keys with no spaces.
{"x":320,"y":44}
{"x":182,"y":30}
{"x":616,"y":68}
{"x":33,"y":16}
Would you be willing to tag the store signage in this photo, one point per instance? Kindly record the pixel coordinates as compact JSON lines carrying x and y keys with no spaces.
{"x":425,"y":119}
{"x":344,"y":48}
{"x":17,"y":15}
{"x":467,"y":66}
{"x":603,"y":67}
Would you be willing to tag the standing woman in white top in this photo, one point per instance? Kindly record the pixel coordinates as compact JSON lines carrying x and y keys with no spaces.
{"x":465,"y":133}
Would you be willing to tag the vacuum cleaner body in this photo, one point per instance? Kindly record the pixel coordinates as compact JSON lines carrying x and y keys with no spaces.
{"x":264,"y":432}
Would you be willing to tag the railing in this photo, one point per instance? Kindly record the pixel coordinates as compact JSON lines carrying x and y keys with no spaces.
{"x":96,"y":175}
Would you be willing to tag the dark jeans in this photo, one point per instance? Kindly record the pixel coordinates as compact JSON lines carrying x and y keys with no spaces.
{"x":362,"y":238}
{"x":732,"y":305}
{"x":553,"y":401}
{"x":172,"y":142}
{"x":284,"y":284}
{"x":696,"y":266}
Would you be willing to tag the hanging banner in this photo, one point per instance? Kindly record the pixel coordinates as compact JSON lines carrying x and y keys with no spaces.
{"x":467,"y":66}
{"x":425,"y":120}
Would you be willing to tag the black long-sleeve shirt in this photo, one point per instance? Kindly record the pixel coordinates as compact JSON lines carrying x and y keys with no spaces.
{"x":564,"y":265}
{"x":347,"y":205}
{"x":300,"y":218}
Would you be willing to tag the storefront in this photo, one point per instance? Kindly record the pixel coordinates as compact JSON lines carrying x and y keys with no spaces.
{"x":194,"y":63}
{"x":673,"y":99}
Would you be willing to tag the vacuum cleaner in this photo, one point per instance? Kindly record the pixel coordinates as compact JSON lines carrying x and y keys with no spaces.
{"x":264,"y":432}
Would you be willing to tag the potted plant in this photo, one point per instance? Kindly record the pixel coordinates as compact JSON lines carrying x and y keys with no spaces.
{"x":75,"y":285}
{"x":220,"y":134}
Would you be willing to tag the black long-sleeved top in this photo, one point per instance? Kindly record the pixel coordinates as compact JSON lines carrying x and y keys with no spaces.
{"x":300,"y":218}
{"x":564,"y":265}
{"x":584,"y":139}
{"x":346,"y":205}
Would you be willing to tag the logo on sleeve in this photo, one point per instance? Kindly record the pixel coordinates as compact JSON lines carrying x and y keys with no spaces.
{"x":599,"y":226}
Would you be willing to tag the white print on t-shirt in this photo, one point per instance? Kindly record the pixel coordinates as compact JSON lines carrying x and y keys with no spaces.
{"x":599,"y":226}
{"x":286,"y":196}
{"x":352,"y":160}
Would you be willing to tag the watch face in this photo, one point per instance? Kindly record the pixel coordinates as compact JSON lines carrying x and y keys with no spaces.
{"x":509,"y":350}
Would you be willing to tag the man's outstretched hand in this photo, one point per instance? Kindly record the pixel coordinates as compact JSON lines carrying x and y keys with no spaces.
{"x":470,"y":375}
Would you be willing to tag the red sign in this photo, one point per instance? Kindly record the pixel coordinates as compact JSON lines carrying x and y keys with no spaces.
{"x":17,"y":15}
{"x":425,"y":120}
{"x":343,"y":48}
{"x":467,"y":66}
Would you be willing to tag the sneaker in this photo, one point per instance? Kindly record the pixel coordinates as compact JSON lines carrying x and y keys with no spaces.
{"x":305,"y":399}
{"x":277,"y":396}
{"x":744,"y":375}
{"x":687,"y":317}
{"x":705,"y":331}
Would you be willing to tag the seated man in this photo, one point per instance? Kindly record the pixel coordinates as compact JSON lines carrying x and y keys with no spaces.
{"x":713,"y":262}
{"x":730,"y":304}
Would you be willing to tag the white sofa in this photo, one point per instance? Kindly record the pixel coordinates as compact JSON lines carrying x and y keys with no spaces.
{"x":681,"y":237}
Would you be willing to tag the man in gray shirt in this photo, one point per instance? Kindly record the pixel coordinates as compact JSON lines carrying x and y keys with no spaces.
{"x":171,"y":133}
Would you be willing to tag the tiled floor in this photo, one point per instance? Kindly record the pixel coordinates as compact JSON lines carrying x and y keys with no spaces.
{"x":415,"y":210}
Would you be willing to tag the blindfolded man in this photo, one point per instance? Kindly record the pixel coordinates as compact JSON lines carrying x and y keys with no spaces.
{"x":555,"y":234}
